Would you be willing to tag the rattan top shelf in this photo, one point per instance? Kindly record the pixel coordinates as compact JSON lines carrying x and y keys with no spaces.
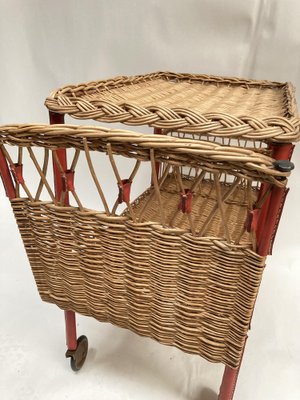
{"x":198,"y":104}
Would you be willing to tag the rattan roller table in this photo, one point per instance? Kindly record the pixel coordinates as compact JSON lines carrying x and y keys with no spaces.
{"x":183,"y":262}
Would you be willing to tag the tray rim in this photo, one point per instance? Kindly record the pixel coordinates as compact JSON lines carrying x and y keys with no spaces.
{"x":281,"y":129}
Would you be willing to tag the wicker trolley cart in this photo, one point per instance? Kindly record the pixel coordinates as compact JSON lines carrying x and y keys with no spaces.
{"x":182,"y":262}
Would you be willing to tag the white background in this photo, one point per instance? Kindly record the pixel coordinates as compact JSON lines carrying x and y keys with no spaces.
{"x":46,"y":44}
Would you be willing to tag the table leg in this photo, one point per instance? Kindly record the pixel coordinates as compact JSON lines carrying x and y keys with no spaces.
{"x":76,"y":349}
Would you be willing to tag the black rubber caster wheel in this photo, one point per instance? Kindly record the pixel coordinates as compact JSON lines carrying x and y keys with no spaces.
{"x":78,"y":356}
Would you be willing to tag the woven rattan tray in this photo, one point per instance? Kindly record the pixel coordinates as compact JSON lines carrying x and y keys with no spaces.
{"x":199,"y":104}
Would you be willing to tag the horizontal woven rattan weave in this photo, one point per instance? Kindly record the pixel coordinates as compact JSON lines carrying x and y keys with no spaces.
{"x":192,"y":103}
{"x":187,"y":278}
{"x":194,"y":293}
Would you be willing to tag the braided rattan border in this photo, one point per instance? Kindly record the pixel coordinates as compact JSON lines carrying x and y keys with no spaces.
{"x":67,"y":100}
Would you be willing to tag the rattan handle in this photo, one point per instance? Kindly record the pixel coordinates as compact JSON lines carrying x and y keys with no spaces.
{"x":209,"y":156}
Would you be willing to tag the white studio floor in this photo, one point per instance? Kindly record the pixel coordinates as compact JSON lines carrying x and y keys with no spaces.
{"x":121,"y":365}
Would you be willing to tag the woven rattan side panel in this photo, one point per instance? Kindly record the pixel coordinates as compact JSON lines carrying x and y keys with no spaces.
{"x":21,"y":208}
{"x":90,"y":253}
{"x":138,"y":277}
{"x":100,"y":241}
{"x":164,"y":264}
{"x":190,"y":292}
{"x":68,"y":281}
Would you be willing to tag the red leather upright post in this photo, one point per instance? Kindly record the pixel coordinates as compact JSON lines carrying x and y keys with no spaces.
{"x":6,"y":177}
{"x":71,"y":334}
{"x":229,"y":381}
{"x":70,"y":318}
{"x":273,"y":208}
{"x":267,"y":226}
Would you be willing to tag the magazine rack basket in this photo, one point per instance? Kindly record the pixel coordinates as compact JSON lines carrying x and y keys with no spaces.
{"x":182,"y":263}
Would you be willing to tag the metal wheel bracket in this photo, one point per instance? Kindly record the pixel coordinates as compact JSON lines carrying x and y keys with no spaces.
{"x":78,"y":356}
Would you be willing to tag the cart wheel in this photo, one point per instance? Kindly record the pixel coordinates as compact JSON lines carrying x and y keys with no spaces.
{"x":78,"y":356}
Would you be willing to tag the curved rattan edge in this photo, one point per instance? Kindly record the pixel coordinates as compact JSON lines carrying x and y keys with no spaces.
{"x":273,"y":128}
{"x":208,"y":155}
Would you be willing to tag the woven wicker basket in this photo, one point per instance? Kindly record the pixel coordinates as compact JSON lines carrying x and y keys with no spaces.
{"x":182,"y":261}
{"x":180,"y":264}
